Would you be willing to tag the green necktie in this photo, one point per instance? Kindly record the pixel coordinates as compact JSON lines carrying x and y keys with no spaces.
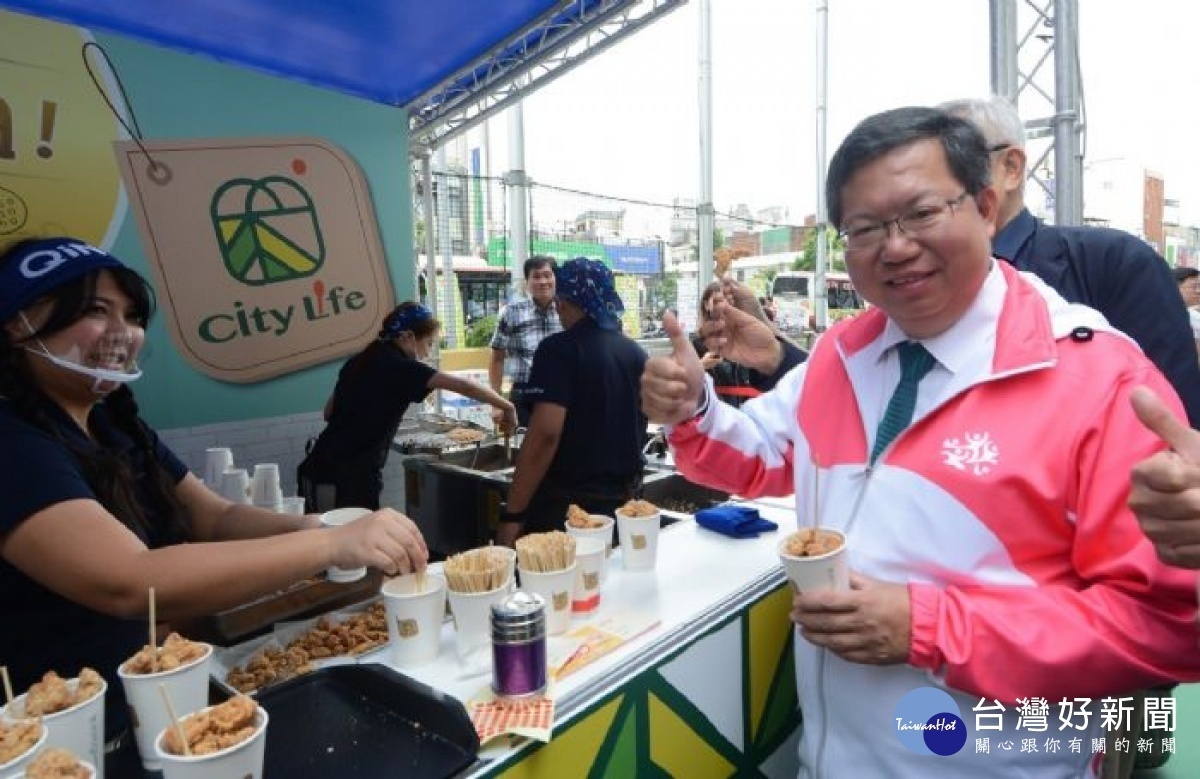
{"x":915,"y":362}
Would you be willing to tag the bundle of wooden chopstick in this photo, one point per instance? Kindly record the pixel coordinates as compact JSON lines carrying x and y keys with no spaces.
{"x":545,"y":552}
{"x":476,"y":570}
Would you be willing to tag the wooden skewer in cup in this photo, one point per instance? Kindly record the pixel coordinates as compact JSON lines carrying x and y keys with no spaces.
{"x":153,"y":637}
{"x":816,"y":490}
{"x":8,"y":692}
{"x":175,"y":723}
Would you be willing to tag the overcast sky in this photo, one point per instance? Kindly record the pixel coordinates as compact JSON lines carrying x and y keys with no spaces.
{"x":626,"y":123}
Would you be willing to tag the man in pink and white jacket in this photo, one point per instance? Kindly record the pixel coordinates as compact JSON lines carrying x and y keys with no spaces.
{"x":994,"y":558}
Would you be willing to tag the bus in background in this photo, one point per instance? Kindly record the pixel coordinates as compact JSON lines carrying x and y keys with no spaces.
{"x":794,"y":294}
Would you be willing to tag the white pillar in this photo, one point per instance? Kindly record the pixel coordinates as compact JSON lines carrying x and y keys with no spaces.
{"x":518,"y":182}
{"x":820,"y":295}
{"x":705,"y":216}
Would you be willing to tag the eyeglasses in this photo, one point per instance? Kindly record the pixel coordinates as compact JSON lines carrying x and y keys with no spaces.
{"x":862,"y":235}
{"x":999,"y":147}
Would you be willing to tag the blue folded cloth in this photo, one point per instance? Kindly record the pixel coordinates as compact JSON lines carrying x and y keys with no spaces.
{"x":734,"y":521}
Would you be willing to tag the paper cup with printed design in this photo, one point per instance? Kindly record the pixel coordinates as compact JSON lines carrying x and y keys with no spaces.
{"x":555,"y":587}
{"x":589,"y":571}
{"x":336,"y":518}
{"x":639,"y":541}
{"x":188,"y":687}
{"x":79,"y":728}
{"x":823,"y":567}
{"x":240,"y":761}
{"x":604,"y":532}
{"x":414,"y":617}
{"x":20,"y":740}
{"x":472,"y":612}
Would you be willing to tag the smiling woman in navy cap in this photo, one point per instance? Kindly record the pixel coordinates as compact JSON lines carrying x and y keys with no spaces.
{"x":586,"y":432}
{"x":97,"y":510}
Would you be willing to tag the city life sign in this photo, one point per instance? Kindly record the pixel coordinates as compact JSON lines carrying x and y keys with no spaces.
{"x":265,"y":253}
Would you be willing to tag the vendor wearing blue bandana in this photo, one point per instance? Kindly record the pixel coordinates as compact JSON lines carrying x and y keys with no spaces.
{"x":344,"y":466}
{"x":97,"y":510}
{"x":585,"y":438}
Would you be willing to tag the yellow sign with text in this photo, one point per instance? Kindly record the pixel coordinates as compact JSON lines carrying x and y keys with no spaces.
{"x":58,"y":175}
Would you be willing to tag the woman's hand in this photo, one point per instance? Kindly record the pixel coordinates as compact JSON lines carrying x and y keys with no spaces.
{"x":710,"y":360}
{"x":505,"y":418}
{"x":384,"y":539}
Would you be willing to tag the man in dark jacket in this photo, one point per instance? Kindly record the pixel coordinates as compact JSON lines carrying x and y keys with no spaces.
{"x":1116,"y":273}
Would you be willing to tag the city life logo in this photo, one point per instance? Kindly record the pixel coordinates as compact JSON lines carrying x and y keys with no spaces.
{"x":266,"y":252}
{"x":267,"y":230}
{"x":928,"y":722}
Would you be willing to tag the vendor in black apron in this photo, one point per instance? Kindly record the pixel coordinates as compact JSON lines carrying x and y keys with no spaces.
{"x":344,"y":466}
{"x":586,"y":432}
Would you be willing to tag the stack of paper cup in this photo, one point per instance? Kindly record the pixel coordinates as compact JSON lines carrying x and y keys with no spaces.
{"x":265,"y":489}
{"x":217,"y":460}
{"x":235,"y":485}
{"x":292,"y":505}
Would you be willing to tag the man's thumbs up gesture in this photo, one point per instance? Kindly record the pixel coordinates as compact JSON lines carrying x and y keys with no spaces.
{"x":1165,"y":493}
{"x":673,"y":385}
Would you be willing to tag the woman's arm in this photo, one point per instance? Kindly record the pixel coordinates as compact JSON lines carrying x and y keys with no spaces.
{"x":80,"y":551}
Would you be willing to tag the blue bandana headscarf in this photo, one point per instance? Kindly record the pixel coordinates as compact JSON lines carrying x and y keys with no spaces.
{"x":589,"y":285}
{"x":404,"y":318}
{"x":38,"y":267}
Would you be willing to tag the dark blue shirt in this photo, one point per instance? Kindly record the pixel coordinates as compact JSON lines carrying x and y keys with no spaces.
{"x":1123,"y":278}
{"x":373,"y":391}
{"x":43,"y":630}
{"x":595,"y":374}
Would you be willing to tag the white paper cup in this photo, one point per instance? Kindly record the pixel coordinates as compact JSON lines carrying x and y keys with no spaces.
{"x":293,"y":505}
{"x":827,"y":571}
{"x":555,"y":588}
{"x":473,"y":617}
{"x":639,"y":541}
{"x":188,"y":687}
{"x":240,"y":761}
{"x":510,"y":562}
{"x":235,"y":485}
{"x":605,"y":533}
{"x":217,"y":460}
{"x":79,"y":728}
{"x":336,"y":518}
{"x":264,"y":489}
{"x":414,"y":618}
{"x":15,"y":766}
{"x":589,"y":571}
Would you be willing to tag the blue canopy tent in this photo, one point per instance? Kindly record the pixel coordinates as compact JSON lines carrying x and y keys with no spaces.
{"x":449,"y":63}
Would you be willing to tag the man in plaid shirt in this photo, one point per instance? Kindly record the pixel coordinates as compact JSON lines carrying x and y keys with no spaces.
{"x":522,"y":326}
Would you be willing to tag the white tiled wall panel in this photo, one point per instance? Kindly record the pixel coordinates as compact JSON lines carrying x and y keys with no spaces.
{"x":272,"y":440}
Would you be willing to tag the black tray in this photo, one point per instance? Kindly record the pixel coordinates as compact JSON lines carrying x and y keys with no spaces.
{"x":364,"y":721}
